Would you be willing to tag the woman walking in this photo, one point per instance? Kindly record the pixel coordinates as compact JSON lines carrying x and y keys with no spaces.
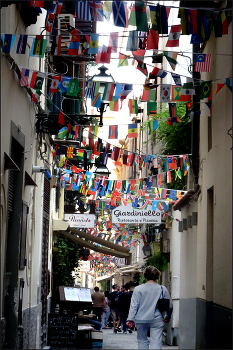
{"x":144,"y":310}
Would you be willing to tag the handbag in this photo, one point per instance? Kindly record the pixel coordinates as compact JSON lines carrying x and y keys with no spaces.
{"x":163,"y":304}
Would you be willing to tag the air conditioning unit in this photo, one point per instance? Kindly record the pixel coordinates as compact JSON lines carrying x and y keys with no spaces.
{"x":62,"y":30}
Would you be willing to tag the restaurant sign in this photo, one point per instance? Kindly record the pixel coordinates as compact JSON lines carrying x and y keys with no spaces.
{"x":129,"y":215}
{"x":80,"y":220}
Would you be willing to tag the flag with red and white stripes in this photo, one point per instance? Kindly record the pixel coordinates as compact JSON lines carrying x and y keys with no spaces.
{"x":24,"y":77}
{"x":202,"y":62}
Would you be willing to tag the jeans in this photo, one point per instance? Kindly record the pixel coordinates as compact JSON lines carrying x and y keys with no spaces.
{"x":156,"y":330}
{"x":97,"y":325}
{"x":105,"y":317}
{"x":123,"y":321}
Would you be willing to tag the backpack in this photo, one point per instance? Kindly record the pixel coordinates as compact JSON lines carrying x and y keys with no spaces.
{"x":114,"y":298}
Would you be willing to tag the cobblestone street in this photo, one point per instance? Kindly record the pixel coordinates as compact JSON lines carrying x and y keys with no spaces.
{"x":123,"y":341}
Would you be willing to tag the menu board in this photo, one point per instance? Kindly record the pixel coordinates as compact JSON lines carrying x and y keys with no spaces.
{"x":77,"y":294}
{"x":62,"y":331}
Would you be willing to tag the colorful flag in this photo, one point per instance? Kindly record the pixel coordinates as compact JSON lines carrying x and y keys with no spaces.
{"x":96,"y":102}
{"x":176,"y":78}
{"x":202,"y":62}
{"x":165,"y":91}
{"x":80,"y":154}
{"x":113,"y":41}
{"x":208,"y":108}
{"x":57,"y":7}
{"x":93,"y":44}
{"x":142,"y":68}
{"x":229,"y":83}
{"x":114,"y":105}
{"x":132,"y":130}
{"x":24,"y":77}
{"x":49,"y":22}
{"x":205,"y":89}
{"x":54,"y":84}
{"x":22,"y":43}
{"x":188,"y":88}
{"x":96,"y":9}
{"x":8,"y":42}
{"x":174,"y":35}
{"x":171,"y":57}
{"x":177,"y":173}
{"x":152,"y":108}
{"x":152,"y":126}
{"x":37,"y":80}
{"x":172,"y":109}
{"x":73,"y":88}
{"x":162,"y":19}
{"x":153,"y":40}
{"x":74,"y":44}
{"x":62,"y":133}
{"x":156,"y":72}
{"x":123,"y":60}
{"x":70,"y":152}
{"x":133,"y":106}
{"x":126,"y":89}
{"x":119,"y":17}
{"x":38,"y":46}
{"x":148,"y":95}
{"x":83,"y":10}
{"x":104,"y":54}
{"x":139,"y":55}
{"x":150,"y":86}
{"x":169,"y":177}
{"x":94,"y":130}
{"x":61,"y":118}
{"x":176,"y":94}
{"x":90,"y":89}
{"x":218,"y":88}
{"x":138,"y":16}
{"x":108,"y":92}
{"x":132,"y":42}
{"x":56,"y":45}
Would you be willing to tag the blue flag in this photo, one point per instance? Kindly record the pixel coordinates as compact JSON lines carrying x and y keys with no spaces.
{"x":8,"y":42}
{"x":22,"y":43}
{"x":118,"y":10}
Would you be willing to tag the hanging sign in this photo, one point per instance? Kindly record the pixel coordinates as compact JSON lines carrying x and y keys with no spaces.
{"x":130,"y":215}
{"x":119,"y":261}
{"x":80,"y":220}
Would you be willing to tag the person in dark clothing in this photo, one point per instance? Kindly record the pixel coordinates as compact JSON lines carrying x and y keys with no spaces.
{"x":113,"y":297}
{"x":124,"y":305}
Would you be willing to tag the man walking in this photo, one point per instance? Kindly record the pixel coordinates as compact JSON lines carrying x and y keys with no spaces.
{"x":113,"y":297}
{"x":124,"y":305}
{"x":98,"y":300}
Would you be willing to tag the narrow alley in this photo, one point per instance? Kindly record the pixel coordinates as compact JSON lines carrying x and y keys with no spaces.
{"x":123,"y":341}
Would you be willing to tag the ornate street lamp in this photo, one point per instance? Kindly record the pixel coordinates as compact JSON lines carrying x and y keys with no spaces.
{"x":103,"y":78}
{"x":146,"y":250}
{"x":102,"y":170}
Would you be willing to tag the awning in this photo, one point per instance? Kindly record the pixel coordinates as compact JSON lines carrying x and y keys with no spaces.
{"x":184,"y":200}
{"x":105,"y":278}
{"x":62,"y":227}
{"x":129,"y":269}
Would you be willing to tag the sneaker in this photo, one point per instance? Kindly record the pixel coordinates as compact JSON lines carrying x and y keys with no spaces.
{"x":125,"y":332}
{"x":130,"y":331}
{"x":114,"y":330}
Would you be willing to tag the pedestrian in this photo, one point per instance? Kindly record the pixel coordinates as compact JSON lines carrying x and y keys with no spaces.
{"x":144,"y":310}
{"x":106,"y":310}
{"x":113,"y":297}
{"x":98,"y":300}
{"x":123,"y":306}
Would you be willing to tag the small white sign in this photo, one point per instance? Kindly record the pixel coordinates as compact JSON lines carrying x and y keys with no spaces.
{"x":80,"y":220}
{"x":84,"y":266}
{"x":77,"y":294}
{"x":119,"y":261}
{"x":129,"y":215}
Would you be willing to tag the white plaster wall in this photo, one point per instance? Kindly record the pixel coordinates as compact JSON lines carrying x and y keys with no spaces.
{"x":216,"y":171}
{"x":18,"y":108}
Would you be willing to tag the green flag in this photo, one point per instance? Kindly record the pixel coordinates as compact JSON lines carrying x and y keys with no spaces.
{"x":73,"y":88}
{"x":205,"y":89}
